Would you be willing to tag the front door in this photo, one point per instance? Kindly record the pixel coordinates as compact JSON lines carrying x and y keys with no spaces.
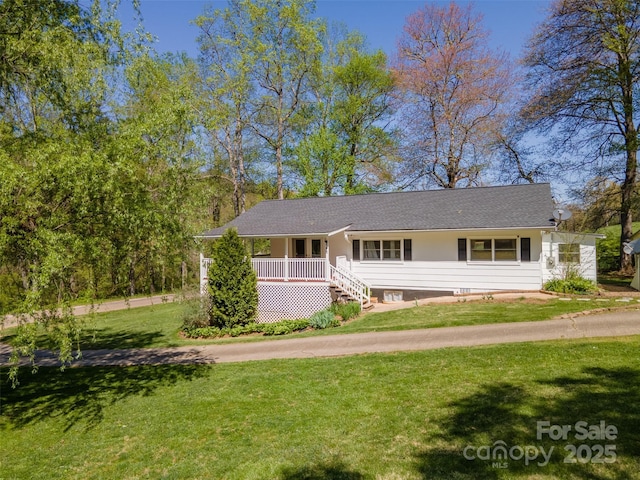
{"x":299,"y":247}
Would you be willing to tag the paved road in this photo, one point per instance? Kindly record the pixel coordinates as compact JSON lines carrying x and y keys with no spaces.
{"x":12,"y":321}
{"x":608,"y":324}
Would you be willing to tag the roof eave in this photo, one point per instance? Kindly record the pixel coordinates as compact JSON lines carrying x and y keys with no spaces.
{"x":462,"y":229}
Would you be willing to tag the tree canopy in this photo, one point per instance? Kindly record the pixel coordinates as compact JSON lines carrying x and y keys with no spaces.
{"x":584,"y":70}
{"x":455,"y":90}
{"x":97,"y":162}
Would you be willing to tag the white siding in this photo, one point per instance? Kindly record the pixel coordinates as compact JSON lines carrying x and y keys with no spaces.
{"x":435,"y":264}
{"x":338,"y":246}
{"x":458,"y":277}
{"x":551,"y":267}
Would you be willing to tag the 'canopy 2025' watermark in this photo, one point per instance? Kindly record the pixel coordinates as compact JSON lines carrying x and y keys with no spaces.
{"x":577,"y":441}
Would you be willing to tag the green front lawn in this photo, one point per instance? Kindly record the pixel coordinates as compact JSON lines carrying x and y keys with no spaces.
{"x":478,"y":312}
{"x":387,"y":416}
{"x":159,"y":325}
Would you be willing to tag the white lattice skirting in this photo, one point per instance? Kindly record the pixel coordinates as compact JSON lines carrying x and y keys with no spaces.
{"x":283,"y":300}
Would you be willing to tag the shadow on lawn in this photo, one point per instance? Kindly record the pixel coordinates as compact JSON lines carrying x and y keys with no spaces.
{"x":334,"y":470}
{"x":507,"y":413}
{"x":106,"y":338}
{"x":79,"y":395}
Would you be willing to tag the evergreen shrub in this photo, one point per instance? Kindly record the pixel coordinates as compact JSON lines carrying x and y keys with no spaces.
{"x":233,"y":285}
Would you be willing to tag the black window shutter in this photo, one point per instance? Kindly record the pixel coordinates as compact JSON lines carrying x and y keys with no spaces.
{"x":525,"y":249}
{"x":407,"y":249}
{"x":462,"y":249}
{"x":355,"y":245}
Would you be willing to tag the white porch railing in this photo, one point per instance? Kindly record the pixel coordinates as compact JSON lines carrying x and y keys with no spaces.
{"x":278,"y":269}
{"x":304,"y":269}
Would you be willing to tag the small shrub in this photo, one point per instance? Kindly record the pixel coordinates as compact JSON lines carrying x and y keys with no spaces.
{"x":572,"y":285}
{"x":346,"y":310}
{"x":195,"y":313}
{"x":202,"y":332}
{"x":284,"y":327}
{"x":323,"y":319}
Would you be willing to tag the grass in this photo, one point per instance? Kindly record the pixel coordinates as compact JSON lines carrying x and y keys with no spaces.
{"x":387,"y":416}
{"x":614,"y":279}
{"x":159,"y":325}
{"x":480,"y":312}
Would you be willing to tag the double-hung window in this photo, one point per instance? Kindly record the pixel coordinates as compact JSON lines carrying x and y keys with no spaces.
{"x":371,"y":250}
{"x":481,"y":250}
{"x":505,"y":250}
{"x":493,"y":250}
{"x":390,"y":250}
{"x":568,"y":253}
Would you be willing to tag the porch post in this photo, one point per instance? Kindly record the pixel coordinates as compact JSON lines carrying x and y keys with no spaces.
{"x":203,"y":276}
{"x":327,"y":266}
{"x":286,"y":259}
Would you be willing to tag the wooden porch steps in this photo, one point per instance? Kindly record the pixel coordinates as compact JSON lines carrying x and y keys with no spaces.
{"x":340,"y":296}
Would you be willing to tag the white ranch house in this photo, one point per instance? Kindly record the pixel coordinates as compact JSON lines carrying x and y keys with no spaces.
{"x":406,"y":246}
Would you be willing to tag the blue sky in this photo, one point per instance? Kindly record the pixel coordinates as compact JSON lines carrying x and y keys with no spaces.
{"x":509,"y":21}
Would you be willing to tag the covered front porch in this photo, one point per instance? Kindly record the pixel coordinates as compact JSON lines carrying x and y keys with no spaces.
{"x":280,"y":269}
{"x":299,"y":274}
{"x":286,"y":259}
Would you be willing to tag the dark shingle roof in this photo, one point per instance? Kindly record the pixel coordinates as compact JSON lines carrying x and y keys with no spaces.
{"x":513,"y":206}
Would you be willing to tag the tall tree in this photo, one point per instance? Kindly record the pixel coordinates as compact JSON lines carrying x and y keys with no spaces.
{"x":57,"y":57}
{"x":227,"y":63}
{"x":454,"y":93}
{"x":346,"y":140}
{"x":286,"y":42}
{"x":584,"y":72}
{"x":156,"y":145}
{"x":95,"y":165}
{"x":516,"y":156}
{"x":362,"y":114}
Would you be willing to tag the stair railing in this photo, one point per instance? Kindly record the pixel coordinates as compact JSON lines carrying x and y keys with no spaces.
{"x":351,"y":284}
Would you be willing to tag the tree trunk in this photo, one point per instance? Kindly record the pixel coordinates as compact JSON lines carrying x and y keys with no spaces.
{"x":132,"y":276}
{"x":241,"y":194}
{"x":631,"y":168}
{"x":279,"y":143}
{"x":626,"y":214}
